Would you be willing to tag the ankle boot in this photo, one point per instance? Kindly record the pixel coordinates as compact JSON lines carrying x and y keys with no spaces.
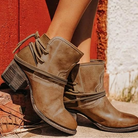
{"x":85,"y":95}
{"x":47,"y":78}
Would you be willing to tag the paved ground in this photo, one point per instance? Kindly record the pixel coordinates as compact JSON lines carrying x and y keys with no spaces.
{"x":85,"y":128}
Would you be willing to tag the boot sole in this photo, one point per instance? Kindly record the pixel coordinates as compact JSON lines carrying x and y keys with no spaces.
{"x":108,"y":129}
{"x":16,"y":79}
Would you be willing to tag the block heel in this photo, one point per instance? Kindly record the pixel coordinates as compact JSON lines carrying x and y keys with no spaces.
{"x":15,"y":77}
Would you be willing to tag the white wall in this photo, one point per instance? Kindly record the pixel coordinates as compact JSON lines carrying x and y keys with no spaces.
{"x":122,"y":52}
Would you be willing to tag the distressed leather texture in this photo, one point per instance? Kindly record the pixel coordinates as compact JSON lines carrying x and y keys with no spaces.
{"x":86,"y":80}
{"x":48,"y":78}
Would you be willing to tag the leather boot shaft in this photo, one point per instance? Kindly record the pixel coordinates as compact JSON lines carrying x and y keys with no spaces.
{"x":88,"y":77}
{"x":62,"y":57}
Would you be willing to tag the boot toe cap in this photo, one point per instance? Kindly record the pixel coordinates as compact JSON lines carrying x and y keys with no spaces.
{"x":66,"y":120}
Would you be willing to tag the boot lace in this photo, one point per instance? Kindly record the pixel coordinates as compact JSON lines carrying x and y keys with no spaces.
{"x":36,"y":48}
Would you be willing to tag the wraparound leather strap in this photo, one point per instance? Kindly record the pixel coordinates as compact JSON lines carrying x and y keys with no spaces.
{"x":87,"y":97}
{"x":41,"y":72}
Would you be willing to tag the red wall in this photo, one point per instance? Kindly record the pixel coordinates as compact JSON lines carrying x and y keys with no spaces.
{"x":19,"y":19}
{"x":8,"y":30}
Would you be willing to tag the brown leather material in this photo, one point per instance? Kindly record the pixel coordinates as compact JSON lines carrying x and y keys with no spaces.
{"x":67,"y":55}
{"x":60,"y":60}
{"x":48,"y":98}
{"x":16,"y":110}
{"x":26,"y":55}
{"x":48,"y":78}
{"x":88,"y":78}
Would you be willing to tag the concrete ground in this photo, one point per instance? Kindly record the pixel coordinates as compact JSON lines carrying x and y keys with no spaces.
{"x":85,"y":128}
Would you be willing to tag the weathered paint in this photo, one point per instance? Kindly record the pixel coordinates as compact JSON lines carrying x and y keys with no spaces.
{"x":99,"y":34}
{"x":102,"y":29}
{"x":34,"y":16}
{"x":8,"y":31}
{"x":122,"y":52}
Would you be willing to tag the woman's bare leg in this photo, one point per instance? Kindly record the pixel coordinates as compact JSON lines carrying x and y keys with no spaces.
{"x":82,"y":34}
{"x":66,"y":18}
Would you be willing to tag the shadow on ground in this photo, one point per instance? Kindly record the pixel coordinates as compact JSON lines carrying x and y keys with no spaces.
{"x":50,"y":131}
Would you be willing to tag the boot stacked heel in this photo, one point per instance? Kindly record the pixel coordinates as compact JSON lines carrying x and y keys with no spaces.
{"x":15,"y":77}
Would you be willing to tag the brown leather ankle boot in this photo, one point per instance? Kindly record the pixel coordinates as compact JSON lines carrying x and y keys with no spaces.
{"x":85,"y":95}
{"x":47,"y":73}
